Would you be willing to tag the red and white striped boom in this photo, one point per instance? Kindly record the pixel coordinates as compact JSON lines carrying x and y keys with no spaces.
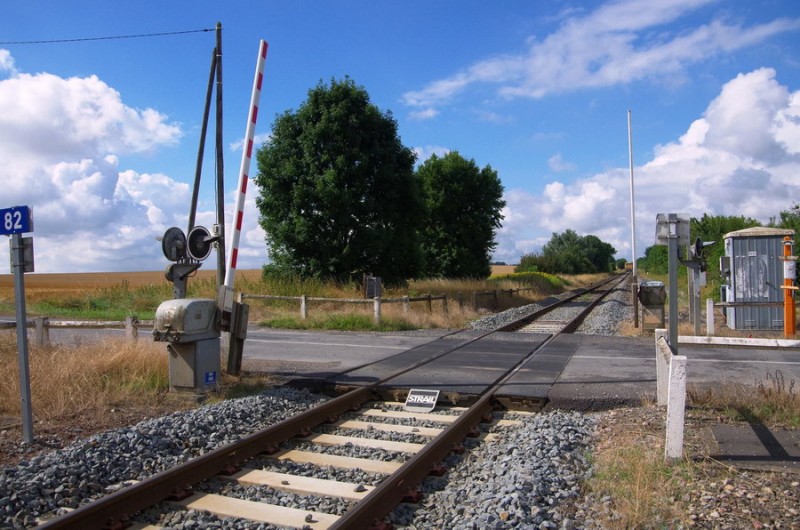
{"x":241,"y":191}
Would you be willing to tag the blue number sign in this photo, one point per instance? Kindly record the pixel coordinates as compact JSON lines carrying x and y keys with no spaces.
{"x":15,"y":220}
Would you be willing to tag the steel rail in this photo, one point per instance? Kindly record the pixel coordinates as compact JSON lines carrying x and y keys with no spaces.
{"x":369,"y":511}
{"x":114,"y":510}
{"x":577,"y":321}
{"x":517,"y":324}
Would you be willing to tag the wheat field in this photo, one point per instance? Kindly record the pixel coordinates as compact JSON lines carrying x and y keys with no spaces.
{"x":99,"y":280}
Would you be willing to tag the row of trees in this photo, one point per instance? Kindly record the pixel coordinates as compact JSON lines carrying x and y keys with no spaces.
{"x":569,"y":253}
{"x":339,"y":196}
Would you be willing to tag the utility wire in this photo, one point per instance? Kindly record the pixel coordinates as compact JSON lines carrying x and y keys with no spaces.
{"x":84,"y":39}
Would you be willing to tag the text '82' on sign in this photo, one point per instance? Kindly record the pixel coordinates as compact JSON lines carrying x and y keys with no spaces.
{"x":15,"y":220}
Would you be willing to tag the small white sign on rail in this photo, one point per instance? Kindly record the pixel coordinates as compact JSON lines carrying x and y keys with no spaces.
{"x":419,"y":400}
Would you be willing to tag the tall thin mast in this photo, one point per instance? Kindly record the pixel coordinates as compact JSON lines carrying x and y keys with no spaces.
{"x":633,"y":208}
{"x":220,"y":166}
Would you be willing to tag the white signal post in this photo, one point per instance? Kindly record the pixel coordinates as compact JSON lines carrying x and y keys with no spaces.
{"x":241,"y":191}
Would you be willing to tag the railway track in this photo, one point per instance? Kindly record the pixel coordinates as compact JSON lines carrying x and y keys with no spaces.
{"x":389,"y":472}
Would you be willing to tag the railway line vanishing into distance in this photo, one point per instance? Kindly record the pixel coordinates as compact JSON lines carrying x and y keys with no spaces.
{"x":357,"y":418}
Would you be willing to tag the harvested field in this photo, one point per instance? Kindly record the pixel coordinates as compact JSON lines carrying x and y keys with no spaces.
{"x":500,"y":270}
{"x":99,"y":280}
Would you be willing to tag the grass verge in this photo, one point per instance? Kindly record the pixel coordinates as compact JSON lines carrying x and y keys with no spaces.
{"x":630,"y":476}
{"x":73,"y":380}
{"x":96,"y":379}
{"x":773,"y":401}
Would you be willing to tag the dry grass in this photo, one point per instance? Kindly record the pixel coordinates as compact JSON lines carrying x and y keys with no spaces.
{"x":773,"y":401}
{"x":460,"y":307}
{"x":629,"y":469}
{"x":90,"y":379}
{"x":628,"y":462}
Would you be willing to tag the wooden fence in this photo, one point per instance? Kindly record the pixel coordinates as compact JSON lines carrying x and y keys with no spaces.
{"x":131,"y":324}
{"x":376,"y":302}
{"x":477,"y":300}
{"x":42,"y":326}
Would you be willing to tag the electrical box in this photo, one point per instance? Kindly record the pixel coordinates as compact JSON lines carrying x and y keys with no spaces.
{"x":189,"y":325}
{"x":186,"y":320}
{"x":752,"y":271}
{"x":652,"y":293}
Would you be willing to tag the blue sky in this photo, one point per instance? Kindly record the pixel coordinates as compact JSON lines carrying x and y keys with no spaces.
{"x":100,"y":137}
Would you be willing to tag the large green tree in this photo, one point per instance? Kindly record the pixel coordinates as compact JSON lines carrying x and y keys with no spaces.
{"x":569,"y":253}
{"x":464,"y":208}
{"x":338,"y":196}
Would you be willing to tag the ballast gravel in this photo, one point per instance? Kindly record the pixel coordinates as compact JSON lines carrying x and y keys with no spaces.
{"x":90,"y":468}
{"x":604,"y":320}
{"x":515,"y":481}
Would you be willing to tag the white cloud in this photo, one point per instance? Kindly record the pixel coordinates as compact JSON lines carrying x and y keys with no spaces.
{"x":7,"y":63}
{"x":786,"y":126}
{"x":61,"y":142}
{"x":620,"y":42}
{"x":424,"y":152}
{"x":424,"y":114}
{"x":739,"y":158}
{"x":558,"y":164}
{"x":258,"y":140}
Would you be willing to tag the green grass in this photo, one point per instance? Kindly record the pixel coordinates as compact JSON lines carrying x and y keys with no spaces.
{"x":339,"y":322}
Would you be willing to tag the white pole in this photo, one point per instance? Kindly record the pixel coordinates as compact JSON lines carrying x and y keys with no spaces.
{"x":633,"y":209}
{"x":247,"y":153}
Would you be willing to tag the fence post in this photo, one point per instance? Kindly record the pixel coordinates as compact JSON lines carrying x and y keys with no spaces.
{"x":303,"y":307}
{"x":494,"y":304}
{"x":710,"y":325}
{"x":460,"y":297}
{"x":663,"y":354}
{"x":430,"y":305}
{"x":676,"y":407}
{"x":42,"y":329}
{"x":405,"y":305}
{"x":475,"y":300}
{"x":376,"y":306}
{"x":131,"y":331}
{"x":444,"y":304}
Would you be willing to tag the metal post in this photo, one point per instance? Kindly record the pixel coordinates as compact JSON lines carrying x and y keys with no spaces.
{"x":18,"y":264}
{"x":633,"y":208}
{"x":201,"y":149}
{"x":220,"y":165}
{"x":789,"y":275}
{"x":710,"y":324}
{"x":672,"y":249}
{"x":694,"y":298}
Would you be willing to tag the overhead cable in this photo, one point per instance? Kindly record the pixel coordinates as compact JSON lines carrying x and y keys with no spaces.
{"x":85,"y":39}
